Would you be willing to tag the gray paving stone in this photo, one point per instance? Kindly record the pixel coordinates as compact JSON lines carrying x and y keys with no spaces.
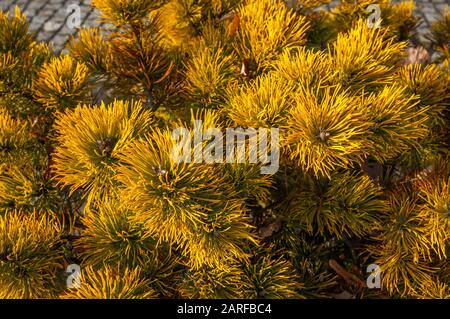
{"x":59,"y":40}
{"x":35,"y":5}
{"x":43,"y":37}
{"x":90,"y":24}
{"x":37,"y":22}
{"x":5,"y":4}
{"x":30,"y":13}
{"x":441,"y":7}
{"x":52,"y":26}
{"x":21,"y":2}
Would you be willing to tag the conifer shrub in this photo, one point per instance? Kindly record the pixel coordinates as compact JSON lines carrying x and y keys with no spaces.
{"x":88,"y":175}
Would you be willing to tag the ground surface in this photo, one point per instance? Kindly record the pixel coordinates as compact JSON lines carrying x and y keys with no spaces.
{"x":48,"y":18}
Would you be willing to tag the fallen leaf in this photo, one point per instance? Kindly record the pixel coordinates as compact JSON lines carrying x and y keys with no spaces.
{"x":271,"y":228}
{"x":417,"y":55}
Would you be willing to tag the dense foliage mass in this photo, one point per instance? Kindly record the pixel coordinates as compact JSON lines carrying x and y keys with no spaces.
{"x":87,"y":176}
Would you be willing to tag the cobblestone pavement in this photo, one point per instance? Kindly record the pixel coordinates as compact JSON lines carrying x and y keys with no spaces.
{"x":51,"y":19}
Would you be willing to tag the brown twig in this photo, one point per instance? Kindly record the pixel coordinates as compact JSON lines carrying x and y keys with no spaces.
{"x":350,"y":278}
